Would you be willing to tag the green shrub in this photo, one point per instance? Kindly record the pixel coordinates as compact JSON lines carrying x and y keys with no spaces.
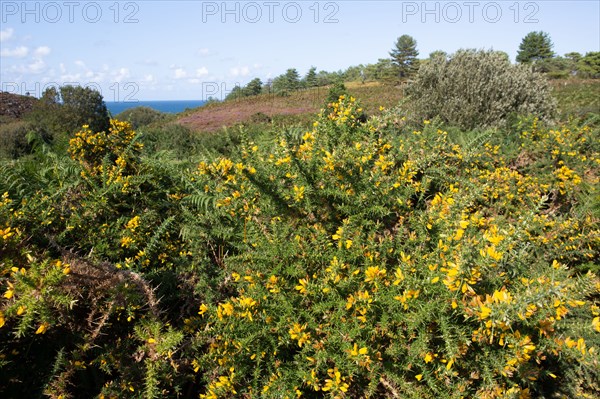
{"x":13,"y":139}
{"x":171,"y":137}
{"x":335,"y":91}
{"x":141,"y":116}
{"x":349,"y":260}
{"x":478,"y":89}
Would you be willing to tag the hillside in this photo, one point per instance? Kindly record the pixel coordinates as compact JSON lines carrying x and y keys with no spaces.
{"x":14,"y":106}
{"x":302,"y":105}
{"x":575,"y":97}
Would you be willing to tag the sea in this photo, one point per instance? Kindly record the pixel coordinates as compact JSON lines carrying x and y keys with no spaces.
{"x":173,"y":106}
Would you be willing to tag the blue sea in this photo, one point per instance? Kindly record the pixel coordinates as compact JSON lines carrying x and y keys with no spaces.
{"x":174,"y":106}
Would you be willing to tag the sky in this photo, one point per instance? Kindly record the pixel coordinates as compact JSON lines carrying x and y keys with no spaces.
{"x":192,"y":50}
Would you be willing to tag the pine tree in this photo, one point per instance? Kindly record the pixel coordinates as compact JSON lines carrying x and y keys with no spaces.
{"x":535,"y":46}
{"x":404,"y":56}
{"x":310,"y":80}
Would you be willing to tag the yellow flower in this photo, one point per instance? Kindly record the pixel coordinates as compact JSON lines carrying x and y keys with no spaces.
{"x":596,"y":323}
{"x":42,"y":328}
{"x":224,"y":309}
{"x":336,"y":382}
{"x":133,"y":223}
{"x":6,"y":233}
{"x":338,"y":234}
{"x":354,"y":352}
{"x":459,"y":234}
{"x":302,"y":286}
{"x":298,"y":193}
{"x":126,"y":242}
{"x":203,"y":309}
{"x":399,"y":276}
{"x":297,"y":333}
{"x":374,"y":273}
{"x":484,"y":312}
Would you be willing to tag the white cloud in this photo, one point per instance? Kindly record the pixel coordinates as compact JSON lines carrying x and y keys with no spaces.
{"x":201,"y":72}
{"x":239,"y":71}
{"x":123,"y":73}
{"x":17,"y":52}
{"x":41,"y":51}
{"x":70,"y":77}
{"x":36,"y":66}
{"x":194,"y":81}
{"x":62,"y":68}
{"x":80,"y":63}
{"x":180,"y":73}
{"x":149,"y":78}
{"x":6,"y":34}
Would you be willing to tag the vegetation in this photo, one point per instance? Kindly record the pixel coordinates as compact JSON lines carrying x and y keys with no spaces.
{"x":61,"y":112}
{"x":445,"y":246}
{"x":404,"y":56}
{"x":141,"y":116}
{"x":536,"y":46}
{"x":473,"y":89}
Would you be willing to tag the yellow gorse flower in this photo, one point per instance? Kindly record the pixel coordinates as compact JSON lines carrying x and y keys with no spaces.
{"x":374,"y":274}
{"x":297,"y":332}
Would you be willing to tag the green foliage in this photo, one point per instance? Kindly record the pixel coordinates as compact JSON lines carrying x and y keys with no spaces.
{"x":590,"y":65}
{"x":535,"y":46}
{"x":60,"y":113}
{"x":438,"y":53}
{"x":253,"y":88}
{"x":390,"y":262}
{"x":352,"y":259}
{"x":578,"y":98}
{"x":478,"y":89}
{"x":310,"y":80}
{"x":141,"y":116}
{"x":173,"y":137}
{"x":13,"y":139}
{"x":557,"y":67}
{"x":287,"y":82}
{"x":335,"y":91}
{"x":382,"y":71}
{"x":404,"y":56}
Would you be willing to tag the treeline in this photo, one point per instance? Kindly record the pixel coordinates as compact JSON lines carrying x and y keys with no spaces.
{"x":535,"y":49}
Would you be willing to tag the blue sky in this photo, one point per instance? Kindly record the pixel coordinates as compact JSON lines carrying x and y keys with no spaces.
{"x":188,"y":50}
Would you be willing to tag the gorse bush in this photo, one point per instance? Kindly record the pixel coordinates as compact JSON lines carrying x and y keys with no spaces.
{"x":356,"y":259}
{"x":480,"y":89}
